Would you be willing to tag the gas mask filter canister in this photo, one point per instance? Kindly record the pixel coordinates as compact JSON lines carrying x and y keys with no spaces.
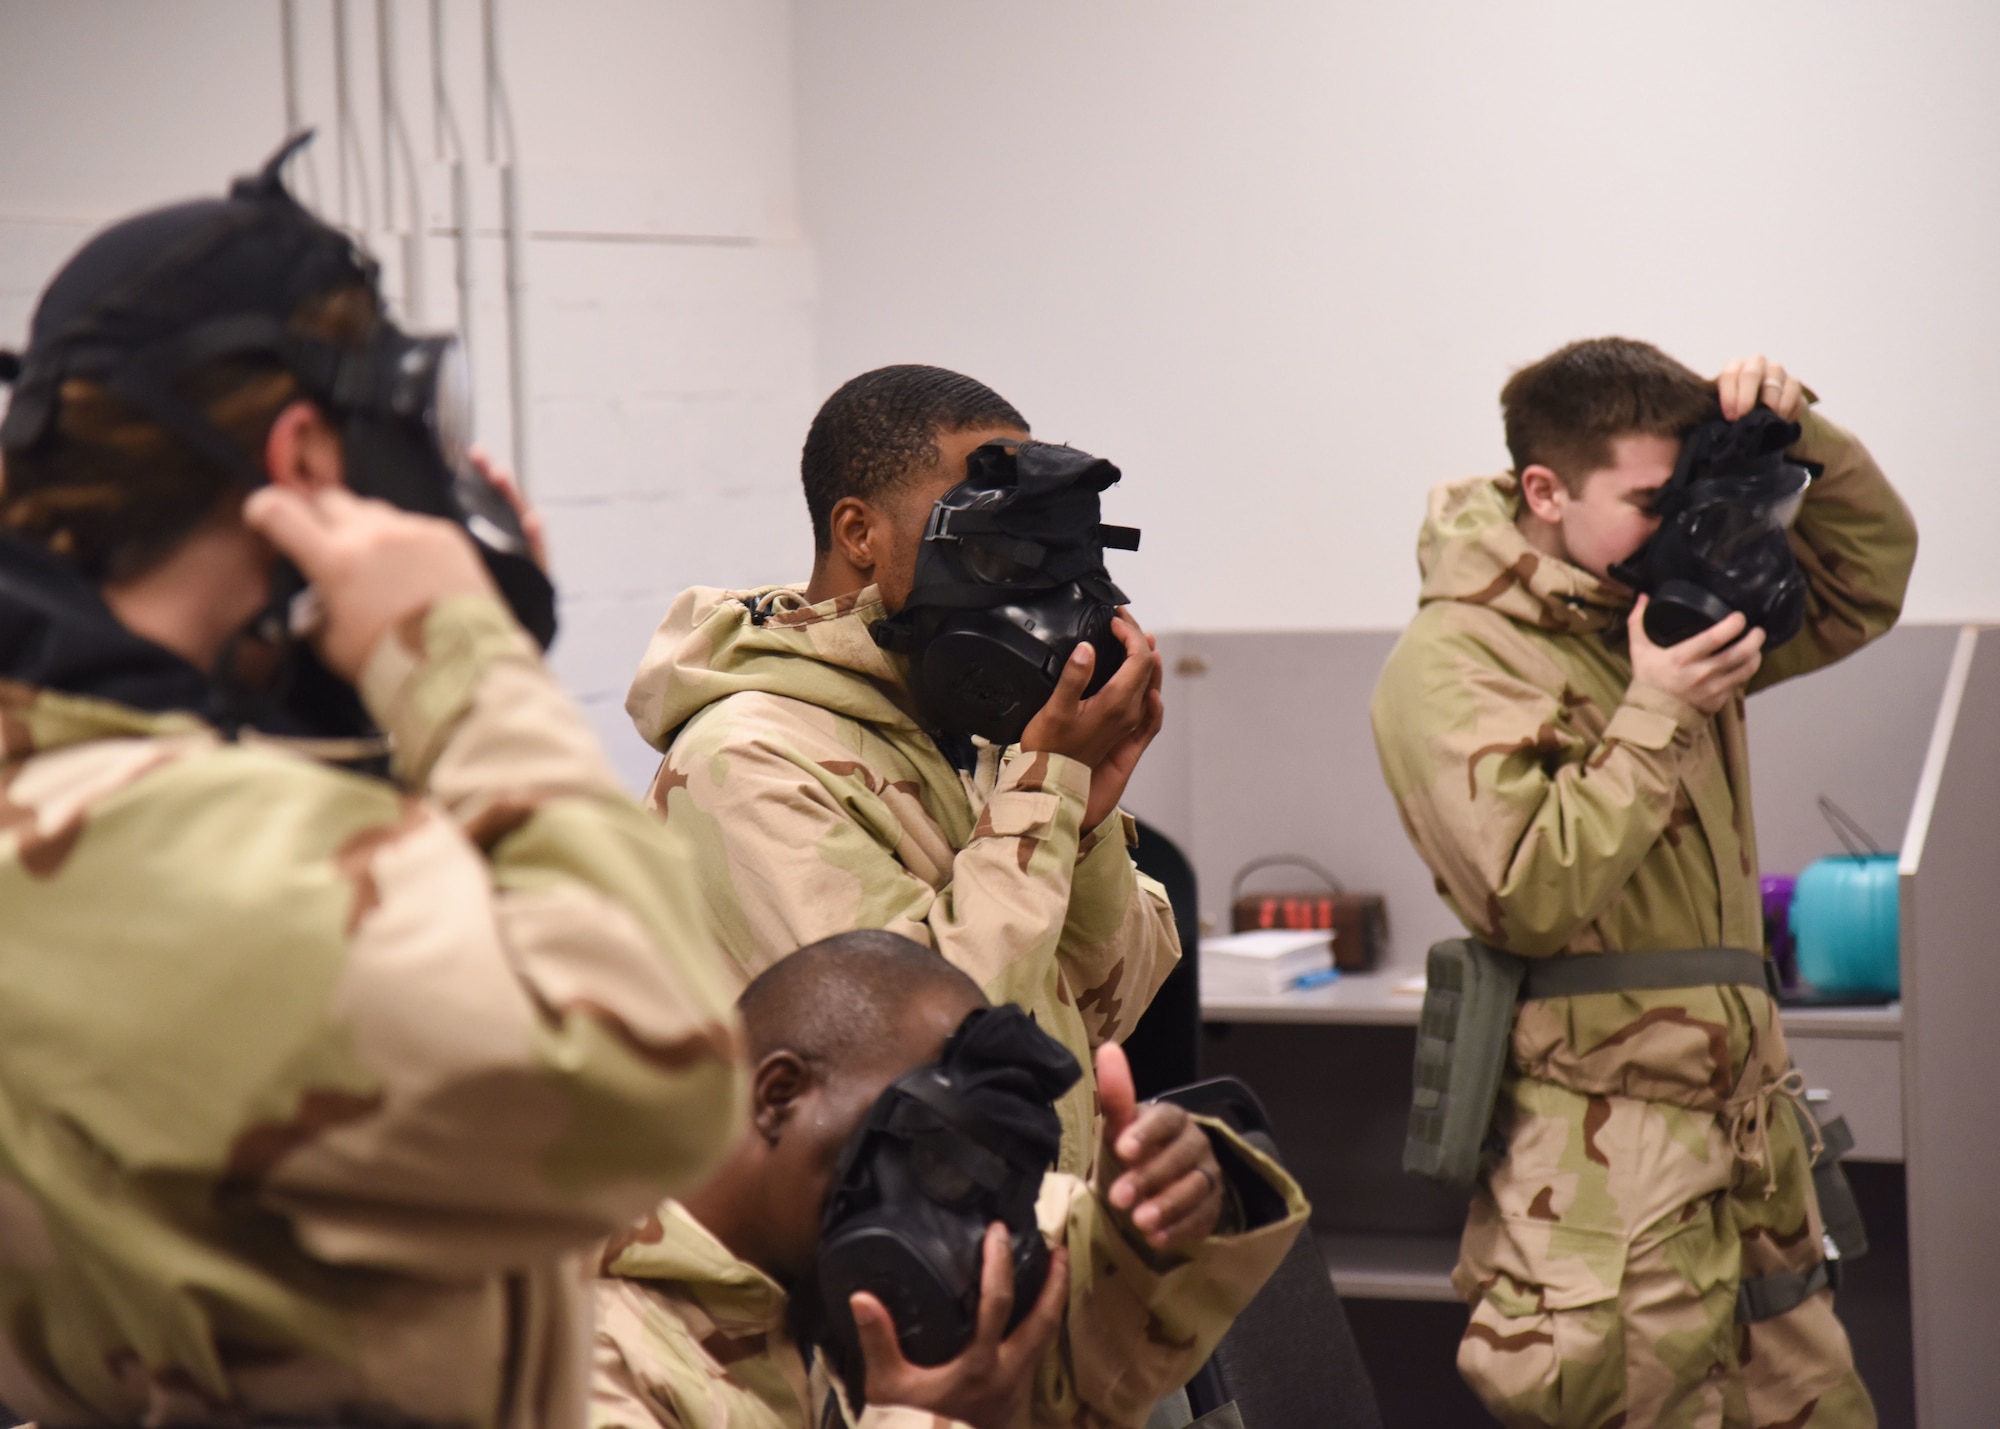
{"x":1010,"y":579}
{"x":1722,"y":544}
{"x":949,"y":1148}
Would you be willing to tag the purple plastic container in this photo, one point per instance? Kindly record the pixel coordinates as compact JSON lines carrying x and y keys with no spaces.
{"x":1778,"y":889}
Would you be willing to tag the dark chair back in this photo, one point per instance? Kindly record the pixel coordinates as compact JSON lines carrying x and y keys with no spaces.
{"x":1290,"y":1359}
{"x":1165,"y":1048}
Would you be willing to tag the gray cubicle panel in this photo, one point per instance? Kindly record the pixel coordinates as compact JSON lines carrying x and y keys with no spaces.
{"x":1951,"y":1045}
{"x":1267,"y":749}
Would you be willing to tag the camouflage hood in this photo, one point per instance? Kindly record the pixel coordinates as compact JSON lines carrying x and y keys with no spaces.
{"x":716,"y":643}
{"x":1470,"y":550}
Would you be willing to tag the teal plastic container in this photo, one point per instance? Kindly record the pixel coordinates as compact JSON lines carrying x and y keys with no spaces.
{"x":1844,"y":925}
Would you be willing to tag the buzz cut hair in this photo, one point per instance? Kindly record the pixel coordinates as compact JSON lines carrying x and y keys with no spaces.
{"x":878,"y":428}
{"x":1565,"y":411}
{"x":842,"y":997}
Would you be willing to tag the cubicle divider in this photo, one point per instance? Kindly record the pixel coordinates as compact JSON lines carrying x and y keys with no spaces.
{"x":1268,"y":750}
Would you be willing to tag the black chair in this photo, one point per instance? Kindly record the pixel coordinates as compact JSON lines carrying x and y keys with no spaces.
{"x":1290,"y":1359}
{"x":1165,"y":1048}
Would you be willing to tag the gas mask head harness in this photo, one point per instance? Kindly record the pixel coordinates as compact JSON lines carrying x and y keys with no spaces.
{"x":1722,"y":542}
{"x":161,"y":294}
{"x":1009,"y":580}
{"x":949,"y":1148}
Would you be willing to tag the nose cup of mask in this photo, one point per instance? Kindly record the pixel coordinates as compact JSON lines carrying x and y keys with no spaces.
{"x":1679,"y":609}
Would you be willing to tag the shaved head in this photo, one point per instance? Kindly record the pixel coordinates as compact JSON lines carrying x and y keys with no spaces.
{"x":847,"y":998}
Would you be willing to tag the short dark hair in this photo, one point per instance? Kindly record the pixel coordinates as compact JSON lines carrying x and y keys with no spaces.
{"x":1565,"y":411}
{"x":881,"y":426}
{"x":842,"y":995}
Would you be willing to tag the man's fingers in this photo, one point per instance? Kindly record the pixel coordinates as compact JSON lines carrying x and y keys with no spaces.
{"x":1115,"y":1093}
{"x":1076,"y":673}
{"x":996,"y":1287}
{"x":1160,"y":1164}
{"x":880,"y":1351}
{"x":1704,"y":643}
{"x":1726,"y":384}
{"x":291,"y":522}
{"x":1039,"y":1325}
{"x":1173,"y":1204}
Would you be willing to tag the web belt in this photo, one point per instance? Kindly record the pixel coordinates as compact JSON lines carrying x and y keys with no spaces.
{"x":1761,"y":1297}
{"x":1637,"y":972}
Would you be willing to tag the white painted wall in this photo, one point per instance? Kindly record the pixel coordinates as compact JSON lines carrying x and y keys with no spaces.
{"x":667,"y":313}
{"x":1277,"y":257}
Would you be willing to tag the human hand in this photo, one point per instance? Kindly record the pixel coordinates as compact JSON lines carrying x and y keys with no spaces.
{"x":1750,"y":380}
{"x":502,"y":480}
{"x":988,"y":1384}
{"x":1111,"y":729}
{"x":1169,"y":1184}
{"x":1706,"y":669}
{"x":370,"y":564}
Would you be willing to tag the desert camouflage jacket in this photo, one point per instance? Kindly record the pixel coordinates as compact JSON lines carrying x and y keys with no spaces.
{"x":810,"y":802}
{"x":1565,"y":809}
{"x":689,"y":1337}
{"x":316,"y":1088}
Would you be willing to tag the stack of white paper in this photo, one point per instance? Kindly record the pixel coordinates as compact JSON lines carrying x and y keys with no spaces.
{"x":1262,"y":963}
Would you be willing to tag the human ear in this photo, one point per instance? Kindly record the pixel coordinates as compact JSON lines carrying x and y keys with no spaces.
{"x":303,"y":452}
{"x":777,"y":1084}
{"x":1543,"y":492}
{"x":855,"y":527}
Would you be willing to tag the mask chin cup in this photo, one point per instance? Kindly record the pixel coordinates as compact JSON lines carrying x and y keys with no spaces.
{"x":989,"y":672}
{"x":926,"y":1277}
{"x":1680,"y":609}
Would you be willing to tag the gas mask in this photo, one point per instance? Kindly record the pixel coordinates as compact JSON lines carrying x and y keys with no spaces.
{"x":161,"y":294}
{"x":1010,"y":579}
{"x":1722,"y":542}
{"x":948,"y":1149}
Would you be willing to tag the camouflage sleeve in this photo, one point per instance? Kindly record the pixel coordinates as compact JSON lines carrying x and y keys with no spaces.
{"x":1139,"y":1325}
{"x":1855,"y":541}
{"x":791,"y":848}
{"x":542,"y":1038}
{"x":1118,"y":939}
{"x":1530,"y":828}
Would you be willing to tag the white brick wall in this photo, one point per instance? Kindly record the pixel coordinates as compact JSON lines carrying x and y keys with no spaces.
{"x":669,"y":295}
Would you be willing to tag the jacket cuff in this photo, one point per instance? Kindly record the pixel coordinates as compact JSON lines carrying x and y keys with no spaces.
{"x":420,"y":678}
{"x":897,"y":1416}
{"x":1650,"y":717}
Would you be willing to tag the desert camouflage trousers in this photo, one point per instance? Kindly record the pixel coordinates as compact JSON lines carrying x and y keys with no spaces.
{"x":1602,"y":1259}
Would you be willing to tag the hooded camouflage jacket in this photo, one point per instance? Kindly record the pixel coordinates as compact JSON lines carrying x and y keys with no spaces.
{"x":810,"y":802}
{"x":314,"y":1086}
{"x":689,"y":1337}
{"x":1566,"y":809}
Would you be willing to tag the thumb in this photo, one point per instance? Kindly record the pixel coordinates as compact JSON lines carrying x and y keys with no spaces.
{"x":1115,"y":1093}
{"x":289,"y":521}
{"x":1076,"y":672}
{"x":880,"y":1351}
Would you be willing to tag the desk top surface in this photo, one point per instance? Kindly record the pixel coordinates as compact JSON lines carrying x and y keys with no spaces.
{"x":1394,"y":998}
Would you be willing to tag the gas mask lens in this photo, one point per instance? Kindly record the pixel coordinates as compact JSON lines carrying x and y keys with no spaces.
{"x":431,"y":383}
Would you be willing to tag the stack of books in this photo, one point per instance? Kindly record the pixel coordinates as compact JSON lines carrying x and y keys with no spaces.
{"x":1264,"y":963}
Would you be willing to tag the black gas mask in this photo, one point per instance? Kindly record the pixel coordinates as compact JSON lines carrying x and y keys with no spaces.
{"x":159,"y":295}
{"x":947,"y":1150}
{"x":1009,"y":581}
{"x":1722,"y":542}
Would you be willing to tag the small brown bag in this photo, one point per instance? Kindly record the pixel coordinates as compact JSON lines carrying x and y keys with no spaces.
{"x":1359,"y":921}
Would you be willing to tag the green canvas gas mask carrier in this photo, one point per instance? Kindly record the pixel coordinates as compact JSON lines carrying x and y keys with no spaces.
{"x":1463,"y":1034}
